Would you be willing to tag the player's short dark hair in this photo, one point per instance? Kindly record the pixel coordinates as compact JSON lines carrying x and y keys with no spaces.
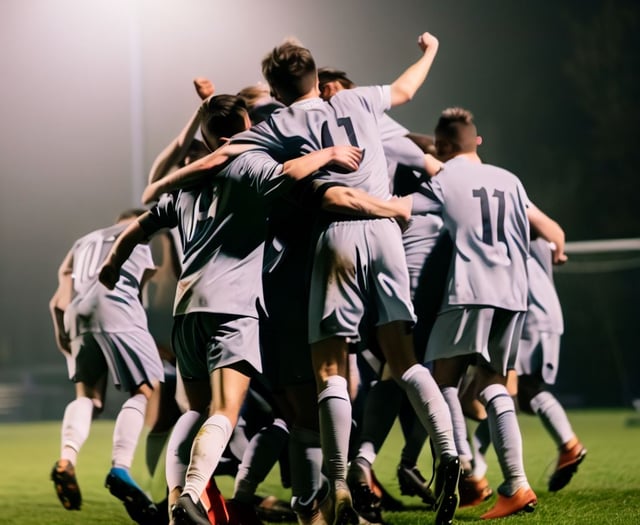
{"x":457,"y":127}
{"x":290,"y":70}
{"x":223,"y":116}
{"x":131,"y":213}
{"x":327,"y":74}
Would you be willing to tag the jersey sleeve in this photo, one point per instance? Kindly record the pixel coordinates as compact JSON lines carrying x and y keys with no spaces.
{"x":259,"y":170}
{"x":261,"y":136}
{"x":162,"y":215}
{"x":432,"y":192}
{"x":377,"y":99}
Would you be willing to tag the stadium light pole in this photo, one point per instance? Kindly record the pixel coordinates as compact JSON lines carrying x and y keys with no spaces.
{"x":137,"y":104}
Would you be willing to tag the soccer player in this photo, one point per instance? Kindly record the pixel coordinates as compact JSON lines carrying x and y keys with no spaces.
{"x":480,"y":322}
{"x":408,"y":167}
{"x":104,"y":332}
{"x":222,"y":230}
{"x":359,"y":266}
{"x":537,"y":366}
{"x":285,"y":262}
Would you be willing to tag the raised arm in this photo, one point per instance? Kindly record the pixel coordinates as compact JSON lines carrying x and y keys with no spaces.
{"x":176,"y":151}
{"x":545,"y":227}
{"x":59,"y":302}
{"x":407,"y":84}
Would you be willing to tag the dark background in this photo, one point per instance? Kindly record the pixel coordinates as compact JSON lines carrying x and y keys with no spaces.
{"x":91,"y":91}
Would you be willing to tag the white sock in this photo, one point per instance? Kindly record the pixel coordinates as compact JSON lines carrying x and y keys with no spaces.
{"x":553,"y":417}
{"x":367,"y":451}
{"x":260,"y":456}
{"x":505,"y":436}
{"x":430,"y":407}
{"x":175,"y":469}
{"x":450,"y":395}
{"x":206,"y":452}
{"x":126,"y":432}
{"x":76,"y":424}
{"x":334,"y":410}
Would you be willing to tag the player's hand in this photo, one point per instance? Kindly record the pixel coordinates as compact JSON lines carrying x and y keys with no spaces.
{"x":204,"y":87}
{"x":557,"y":256}
{"x":347,"y":157}
{"x":428,"y":41}
{"x":404,"y":206}
{"x":109,"y":275}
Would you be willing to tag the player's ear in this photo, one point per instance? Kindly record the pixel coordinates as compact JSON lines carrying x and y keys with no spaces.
{"x":478,"y":140}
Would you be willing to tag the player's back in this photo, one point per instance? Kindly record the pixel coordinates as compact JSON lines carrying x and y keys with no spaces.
{"x":484,"y":210}
{"x":96,"y":308}
{"x":222,"y":227}
{"x":349,"y":118}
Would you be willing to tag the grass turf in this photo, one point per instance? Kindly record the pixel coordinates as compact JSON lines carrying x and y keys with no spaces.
{"x":606,"y":489}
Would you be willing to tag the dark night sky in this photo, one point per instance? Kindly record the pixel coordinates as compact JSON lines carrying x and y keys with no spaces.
{"x":92,"y":91}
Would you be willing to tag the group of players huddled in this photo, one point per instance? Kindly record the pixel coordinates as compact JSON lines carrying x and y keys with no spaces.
{"x":345,"y":272}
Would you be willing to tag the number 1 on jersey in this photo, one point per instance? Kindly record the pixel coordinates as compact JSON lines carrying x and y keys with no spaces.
{"x":487,"y":232}
{"x":345,"y":122}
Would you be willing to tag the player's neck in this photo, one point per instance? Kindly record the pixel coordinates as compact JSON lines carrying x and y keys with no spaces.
{"x":471,"y":156}
{"x":313,"y":93}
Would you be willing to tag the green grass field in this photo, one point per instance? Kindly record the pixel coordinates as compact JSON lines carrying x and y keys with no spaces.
{"x":606,"y":489}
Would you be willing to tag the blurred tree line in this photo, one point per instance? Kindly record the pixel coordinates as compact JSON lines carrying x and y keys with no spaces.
{"x":590,"y":155}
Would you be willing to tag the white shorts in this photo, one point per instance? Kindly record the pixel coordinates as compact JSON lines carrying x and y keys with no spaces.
{"x":205,"y":341}
{"x":359,"y":269}
{"x":539,"y":355}
{"x":493,"y":333}
{"x":131,"y":358}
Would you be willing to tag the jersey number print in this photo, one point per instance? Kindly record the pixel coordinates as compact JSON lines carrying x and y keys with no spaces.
{"x":89,"y":258}
{"x":345,"y":122}
{"x":487,"y":231}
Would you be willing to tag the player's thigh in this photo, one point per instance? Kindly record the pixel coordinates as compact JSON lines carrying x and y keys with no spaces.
{"x":91,"y":367}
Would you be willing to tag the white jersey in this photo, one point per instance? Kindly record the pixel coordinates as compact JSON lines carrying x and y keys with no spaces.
{"x":357,"y":249}
{"x":350,"y":117}
{"x":222,"y":227}
{"x":544,"y":313}
{"x":94,"y":307}
{"x":484,"y":210}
